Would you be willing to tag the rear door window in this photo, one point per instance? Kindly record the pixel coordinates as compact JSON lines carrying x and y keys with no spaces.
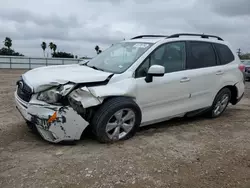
{"x":201,"y":55}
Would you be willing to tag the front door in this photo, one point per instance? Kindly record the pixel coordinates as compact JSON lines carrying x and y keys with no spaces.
{"x":168,"y":95}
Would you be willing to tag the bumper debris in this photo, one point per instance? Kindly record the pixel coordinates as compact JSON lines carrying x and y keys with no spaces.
{"x":54,"y":123}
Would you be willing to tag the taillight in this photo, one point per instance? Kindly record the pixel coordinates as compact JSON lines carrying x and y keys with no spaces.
{"x":242,"y":67}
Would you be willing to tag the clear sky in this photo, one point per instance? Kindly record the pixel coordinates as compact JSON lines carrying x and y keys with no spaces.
{"x":76,"y":26}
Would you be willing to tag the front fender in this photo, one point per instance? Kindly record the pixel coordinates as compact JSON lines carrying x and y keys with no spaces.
{"x":93,"y":96}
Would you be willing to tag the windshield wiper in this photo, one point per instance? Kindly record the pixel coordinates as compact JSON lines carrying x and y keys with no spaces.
{"x":85,"y":63}
{"x":94,"y":67}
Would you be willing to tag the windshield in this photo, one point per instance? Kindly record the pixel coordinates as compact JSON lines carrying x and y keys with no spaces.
{"x":119,"y":57}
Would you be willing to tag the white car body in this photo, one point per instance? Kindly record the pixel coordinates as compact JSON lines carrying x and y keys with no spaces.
{"x":174,"y":94}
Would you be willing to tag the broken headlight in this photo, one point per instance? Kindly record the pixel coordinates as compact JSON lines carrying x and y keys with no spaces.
{"x":50,"y":96}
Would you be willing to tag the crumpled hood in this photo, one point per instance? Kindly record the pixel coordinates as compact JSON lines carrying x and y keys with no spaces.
{"x":46,"y":77}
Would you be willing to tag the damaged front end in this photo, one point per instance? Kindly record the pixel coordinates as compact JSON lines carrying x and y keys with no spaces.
{"x":58,"y":123}
{"x":62,"y":112}
{"x":56,"y":116}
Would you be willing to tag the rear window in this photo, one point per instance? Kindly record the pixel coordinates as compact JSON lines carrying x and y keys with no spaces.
{"x":224,"y":53}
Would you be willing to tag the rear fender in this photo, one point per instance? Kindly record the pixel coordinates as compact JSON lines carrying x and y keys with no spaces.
{"x":240,"y":89}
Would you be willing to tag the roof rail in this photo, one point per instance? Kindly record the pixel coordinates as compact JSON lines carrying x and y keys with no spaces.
{"x":151,"y":36}
{"x":190,"y":34}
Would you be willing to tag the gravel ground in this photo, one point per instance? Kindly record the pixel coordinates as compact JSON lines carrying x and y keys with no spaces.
{"x":194,"y":152}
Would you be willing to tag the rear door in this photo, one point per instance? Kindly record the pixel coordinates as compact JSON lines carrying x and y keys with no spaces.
{"x":204,"y":72}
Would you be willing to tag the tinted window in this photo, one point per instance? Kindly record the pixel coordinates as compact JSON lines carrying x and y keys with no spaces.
{"x":224,"y":53}
{"x":171,"y":55}
{"x":143,"y":69}
{"x":201,"y":55}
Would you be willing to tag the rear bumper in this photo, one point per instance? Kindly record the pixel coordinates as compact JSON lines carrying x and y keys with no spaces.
{"x":239,"y":99}
{"x":240,"y":88}
{"x":240,"y":92}
{"x":67,"y":126}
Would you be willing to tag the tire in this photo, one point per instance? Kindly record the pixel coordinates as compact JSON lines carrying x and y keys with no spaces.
{"x":106,"y":113}
{"x":219,"y":97}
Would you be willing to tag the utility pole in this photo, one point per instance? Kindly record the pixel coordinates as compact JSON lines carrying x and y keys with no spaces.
{"x":239,"y":52}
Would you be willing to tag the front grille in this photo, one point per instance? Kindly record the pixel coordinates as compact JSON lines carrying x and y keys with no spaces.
{"x":24,"y":91}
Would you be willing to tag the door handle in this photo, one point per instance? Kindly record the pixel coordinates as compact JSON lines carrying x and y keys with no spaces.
{"x":185,"y":79}
{"x":220,"y":72}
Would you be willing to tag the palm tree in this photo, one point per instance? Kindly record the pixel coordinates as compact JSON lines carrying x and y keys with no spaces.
{"x":8,"y":42}
{"x":97,"y":48}
{"x":54,"y":48}
{"x":51,"y":46}
{"x":44,"y":46}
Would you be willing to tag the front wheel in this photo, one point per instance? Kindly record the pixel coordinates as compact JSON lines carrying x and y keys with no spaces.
{"x":220,"y":103}
{"x":117,"y":119}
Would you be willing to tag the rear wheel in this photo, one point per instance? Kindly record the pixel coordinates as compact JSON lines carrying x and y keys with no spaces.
{"x":220,"y":103}
{"x":117,"y":119}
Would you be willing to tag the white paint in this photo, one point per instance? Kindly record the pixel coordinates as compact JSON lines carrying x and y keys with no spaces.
{"x":171,"y":95}
{"x":85,"y":97}
{"x":62,"y":74}
{"x":58,"y":131}
{"x":156,"y":69}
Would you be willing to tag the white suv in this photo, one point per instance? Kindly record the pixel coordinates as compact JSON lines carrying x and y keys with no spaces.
{"x":141,"y":81}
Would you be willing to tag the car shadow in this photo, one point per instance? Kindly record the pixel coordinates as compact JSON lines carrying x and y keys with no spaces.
{"x":88,"y":136}
{"x":174,"y":122}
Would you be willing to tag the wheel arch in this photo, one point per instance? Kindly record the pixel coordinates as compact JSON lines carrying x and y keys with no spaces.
{"x":109,"y":106}
{"x":108,"y":98}
{"x":90,"y":111}
{"x":234,"y":93}
{"x":115,"y":96}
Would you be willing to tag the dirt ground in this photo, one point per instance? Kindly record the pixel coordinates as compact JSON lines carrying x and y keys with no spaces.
{"x":195,"y":153}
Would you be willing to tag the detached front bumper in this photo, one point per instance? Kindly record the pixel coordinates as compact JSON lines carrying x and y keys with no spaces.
{"x":67,"y":125}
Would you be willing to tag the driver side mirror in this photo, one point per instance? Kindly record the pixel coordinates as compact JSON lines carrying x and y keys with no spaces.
{"x":154,"y":71}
